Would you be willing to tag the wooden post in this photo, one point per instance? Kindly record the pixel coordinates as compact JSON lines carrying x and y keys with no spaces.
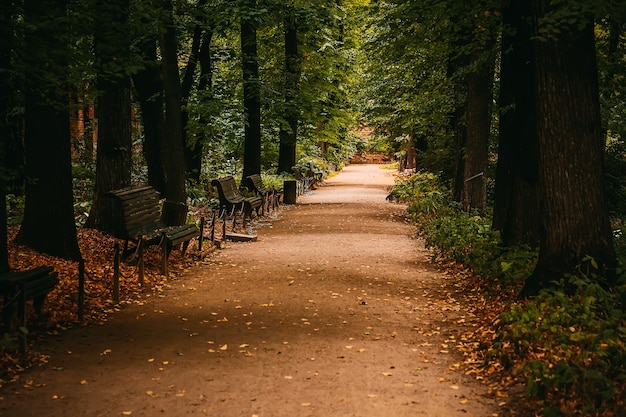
{"x":201,"y":237}
{"x":116,"y":274}
{"x":213,"y":227}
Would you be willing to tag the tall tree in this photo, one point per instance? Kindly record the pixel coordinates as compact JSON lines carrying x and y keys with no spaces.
{"x":473,"y":55}
{"x":202,"y":31}
{"x":5,"y":130}
{"x":289,"y":126}
{"x":148,"y":84}
{"x":516,"y":200}
{"x":174,"y":158}
{"x":251,"y":89}
{"x":575,"y":219}
{"x":48,"y":224}
{"x":114,"y":154}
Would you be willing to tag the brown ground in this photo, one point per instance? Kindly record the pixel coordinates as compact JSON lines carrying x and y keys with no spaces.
{"x":334,"y":311}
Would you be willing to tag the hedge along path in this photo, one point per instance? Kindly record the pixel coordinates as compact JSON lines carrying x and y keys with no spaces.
{"x":334,"y":311}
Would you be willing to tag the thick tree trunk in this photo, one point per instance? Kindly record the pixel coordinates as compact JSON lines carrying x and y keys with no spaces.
{"x":289,"y":127}
{"x":48,"y":225}
{"x":149,"y":88}
{"x":251,"y":92}
{"x":516,"y":206}
{"x":175,"y":170}
{"x":575,"y":214}
{"x":114,"y":154}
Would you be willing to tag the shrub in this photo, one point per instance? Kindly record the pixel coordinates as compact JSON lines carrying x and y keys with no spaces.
{"x":569,"y":349}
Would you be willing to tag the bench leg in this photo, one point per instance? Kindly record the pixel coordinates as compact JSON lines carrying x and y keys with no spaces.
{"x":140,"y":265}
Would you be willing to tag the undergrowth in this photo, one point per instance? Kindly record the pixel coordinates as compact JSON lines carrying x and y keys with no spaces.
{"x":567,"y":348}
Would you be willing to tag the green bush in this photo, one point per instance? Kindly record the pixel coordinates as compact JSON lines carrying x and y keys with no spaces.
{"x":569,"y":343}
{"x":570,"y":349}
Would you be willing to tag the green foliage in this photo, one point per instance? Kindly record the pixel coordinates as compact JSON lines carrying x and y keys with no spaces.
{"x":15,"y":209}
{"x":570,"y":349}
{"x":569,"y":343}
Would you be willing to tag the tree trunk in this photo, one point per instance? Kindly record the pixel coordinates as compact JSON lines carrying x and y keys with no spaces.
{"x":251,"y":91}
{"x":458,"y":128}
{"x":477,"y":144}
{"x":149,"y":88}
{"x":516,"y":206}
{"x":205,"y":87}
{"x":175,"y":170}
{"x":289,"y":127}
{"x":6,"y":35}
{"x":193,"y":148}
{"x":575,"y":214}
{"x":114,"y":154}
{"x":48,"y":225}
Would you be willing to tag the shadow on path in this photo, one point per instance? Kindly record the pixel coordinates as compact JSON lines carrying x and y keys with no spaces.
{"x":335,"y":311}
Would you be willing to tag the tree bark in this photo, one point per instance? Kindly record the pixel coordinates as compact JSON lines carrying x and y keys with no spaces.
{"x":48,"y":225}
{"x":251,"y":91}
{"x":175,"y":170}
{"x":289,"y":127}
{"x":6,"y":36}
{"x":516,"y":202}
{"x":114,"y":152}
{"x":477,"y":143}
{"x":193,"y":147}
{"x":575,"y":214}
{"x":149,"y":88}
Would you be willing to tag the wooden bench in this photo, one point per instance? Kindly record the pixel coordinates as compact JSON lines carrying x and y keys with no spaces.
{"x":302,"y":182}
{"x":18,"y":287}
{"x":145,"y":222}
{"x":231,"y":200}
{"x":270,"y":196}
{"x":314,"y":173}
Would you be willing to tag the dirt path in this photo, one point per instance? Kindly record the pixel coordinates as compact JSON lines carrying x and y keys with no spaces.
{"x":334,"y":311}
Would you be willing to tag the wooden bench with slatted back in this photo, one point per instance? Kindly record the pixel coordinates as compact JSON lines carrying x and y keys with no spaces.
{"x":18,"y":287}
{"x":231,"y":200}
{"x":144,"y":221}
{"x":270,"y":196}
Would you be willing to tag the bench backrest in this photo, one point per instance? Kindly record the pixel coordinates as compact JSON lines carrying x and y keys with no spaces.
{"x":227,"y":189}
{"x":140,"y":208}
{"x":296,"y":173}
{"x":255,"y":183}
